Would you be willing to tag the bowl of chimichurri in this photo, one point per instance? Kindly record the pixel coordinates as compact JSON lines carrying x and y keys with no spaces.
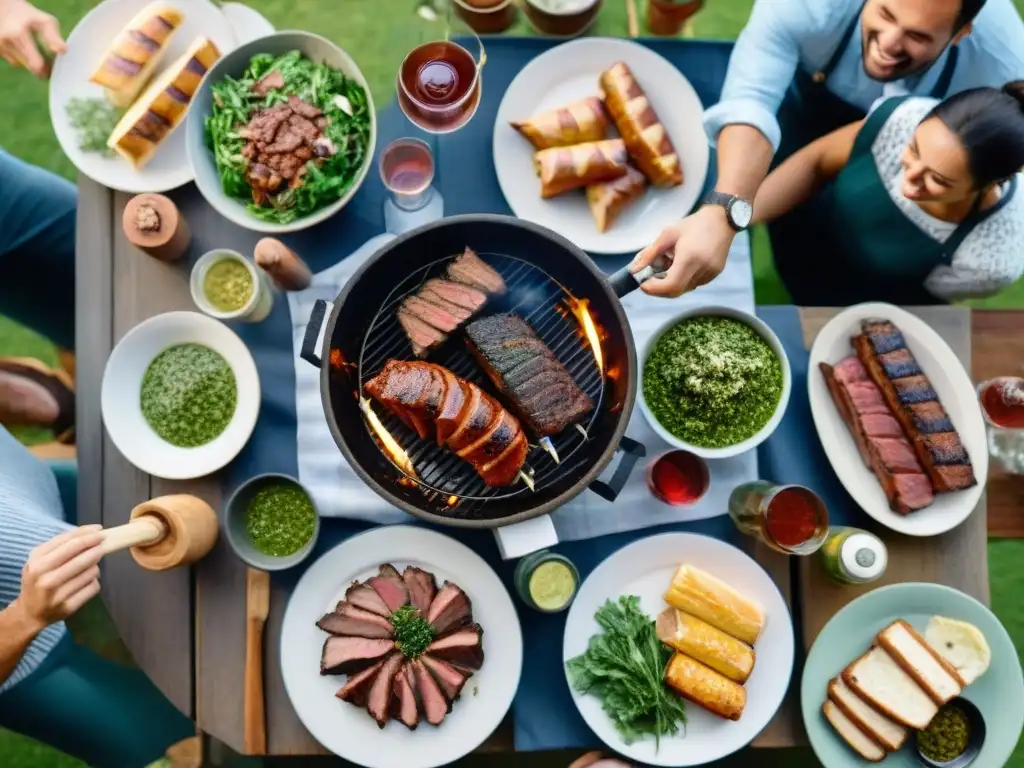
{"x":272,"y":522}
{"x":714,"y":381}
{"x":227,"y":286}
{"x":180,"y":395}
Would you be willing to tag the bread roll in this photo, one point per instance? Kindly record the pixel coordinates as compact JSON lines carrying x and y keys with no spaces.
{"x":163,"y":106}
{"x":607,"y":199}
{"x":575,"y":123}
{"x":699,"y":640}
{"x":132,"y":58}
{"x":705,"y":687}
{"x":706,"y":597}
{"x":565,"y":168}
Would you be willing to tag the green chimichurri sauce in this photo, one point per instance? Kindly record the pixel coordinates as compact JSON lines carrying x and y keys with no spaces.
{"x":228,"y":285}
{"x":947,"y":735}
{"x":189,"y":395}
{"x":712,"y":381}
{"x":412,"y":632}
{"x":280,"y":519}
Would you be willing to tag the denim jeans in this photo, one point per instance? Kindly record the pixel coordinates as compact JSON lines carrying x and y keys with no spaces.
{"x":37,"y":249}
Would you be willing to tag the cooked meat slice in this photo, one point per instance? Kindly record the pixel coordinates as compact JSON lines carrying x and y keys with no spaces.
{"x":450,"y":609}
{"x":423,"y":336}
{"x":896,"y":454}
{"x":269,"y":81}
{"x":349,"y":620}
{"x":461,"y":295}
{"x":402,"y":388}
{"x":899,"y":364}
{"x":849,"y":370}
{"x":493,"y":442}
{"x":364,"y":596}
{"x":914,"y":389}
{"x":956,"y":476}
{"x":431,"y":314}
{"x":480,"y":415}
{"x":456,"y":393}
{"x":470,"y":269}
{"x":422,"y":588}
{"x":881,"y":425}
{"x":913,"y":491}
{"x":357,"y":688}
{"x":946,"y":448}
{"x":391,"y":590}
{"x":930,"y":418}
{"x":435,"y":705}
{"x":462,"y":314}
{"x":378,"y":702}
{"x":448,"y":677}
{"x":305,"y":109}
{"x":866,"y":398}
{"x":387,"y":569}
{"x":347,"y":655}
{"x":463,"y":647}
{"x":505,"y":469}
{"x":403,"y":702}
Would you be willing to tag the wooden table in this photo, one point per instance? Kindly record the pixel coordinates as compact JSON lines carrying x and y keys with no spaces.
{"x":186,"y":628}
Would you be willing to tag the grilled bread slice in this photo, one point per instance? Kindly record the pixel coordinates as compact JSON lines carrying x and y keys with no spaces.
{"x":702,"y":595}
{"x":163,"y":106}
{"x":933,"y":673}
{"x":705,"y":687}
{"x":890,"y":735}
{"x":131,"y":59}
{"x":858,"y":741}
{"x":883,"y":684}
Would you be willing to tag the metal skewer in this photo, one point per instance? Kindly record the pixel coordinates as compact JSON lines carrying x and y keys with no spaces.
{"x":582,"y":431}
{"x":547,"y":445}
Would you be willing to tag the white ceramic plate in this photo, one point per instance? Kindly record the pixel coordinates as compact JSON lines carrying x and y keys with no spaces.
{"x":349,"y":731}
{"x":645,"y":569}
{"x":169,"y":167}
{"x":956,"y":392}
{"x":122,"y":385}
{"x":568,"y":73}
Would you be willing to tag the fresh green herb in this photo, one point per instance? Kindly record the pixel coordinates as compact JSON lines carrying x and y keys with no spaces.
{"x":624,"y":667}
{"x":342,"y":100}
{"x":188,"y":395}
{"x":280,"y":519}
{"x":946,"y":736}
{"x":93,"y":120}
{"x":712,"y":381}
{"x":412,"y":632}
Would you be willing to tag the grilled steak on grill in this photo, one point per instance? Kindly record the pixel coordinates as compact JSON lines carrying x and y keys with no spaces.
{"x":457,"y":413}
{"x":540,"y":388}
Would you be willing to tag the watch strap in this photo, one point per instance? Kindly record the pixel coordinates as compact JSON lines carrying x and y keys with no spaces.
{"x":714,"y":197}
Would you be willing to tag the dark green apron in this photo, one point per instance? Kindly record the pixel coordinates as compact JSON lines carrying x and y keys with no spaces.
{"x":808,"y":112}
{"x":867,"y":248}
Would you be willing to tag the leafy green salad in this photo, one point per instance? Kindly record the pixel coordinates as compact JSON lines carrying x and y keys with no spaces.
{"x":301,"y":178}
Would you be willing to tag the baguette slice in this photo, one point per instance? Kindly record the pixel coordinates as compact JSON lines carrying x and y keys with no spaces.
{"x":933,"y":673}
{"x":163,"y":106}
{"x":857,"y":740}
{"x":699,"y":640}
{"x":890,"y":735}
{"x":883,"y":684}
{"x":131,"y":59}
{"x":702,"y":595}
{"x":705,"y":687}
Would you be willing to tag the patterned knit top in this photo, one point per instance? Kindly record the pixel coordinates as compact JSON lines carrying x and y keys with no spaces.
{"x":991,"y":257}
{"x":31,"y":513}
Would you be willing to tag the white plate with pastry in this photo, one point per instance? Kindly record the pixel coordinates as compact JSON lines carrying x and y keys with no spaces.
{"x":732,"y":637}
{"x":643,"y":179}
{"x":123,"y":88}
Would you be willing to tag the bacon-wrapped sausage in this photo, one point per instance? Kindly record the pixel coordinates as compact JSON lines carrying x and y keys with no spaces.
{"x":564,"y":168}
{"x":607,"y":199}
{"x":644,"y":134}
{"x":580,"y":121}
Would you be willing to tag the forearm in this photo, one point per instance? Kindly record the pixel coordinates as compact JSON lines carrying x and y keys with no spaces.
{"x":789,"y":185}
{"x":744,"y":156}
{"x":17,"y":631}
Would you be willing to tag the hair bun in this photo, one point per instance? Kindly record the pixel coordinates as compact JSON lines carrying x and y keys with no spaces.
{"x":1015,"y":89}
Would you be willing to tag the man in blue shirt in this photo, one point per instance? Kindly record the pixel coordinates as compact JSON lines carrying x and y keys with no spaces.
{"x":803,"y":68}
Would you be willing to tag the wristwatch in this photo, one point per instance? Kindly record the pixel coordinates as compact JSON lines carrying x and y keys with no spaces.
{"x":737,"y":210}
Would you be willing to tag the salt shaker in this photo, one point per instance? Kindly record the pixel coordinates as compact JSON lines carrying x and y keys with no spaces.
{"x":153,"y":224}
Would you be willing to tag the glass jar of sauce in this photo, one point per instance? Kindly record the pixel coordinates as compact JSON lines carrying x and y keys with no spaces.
{"x":788,"y":518}
{"x":546,"y":581}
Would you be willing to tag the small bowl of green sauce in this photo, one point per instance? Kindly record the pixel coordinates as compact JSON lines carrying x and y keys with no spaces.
{"x":954,"y":737}
{"x":227,"y":286}
{"x":272,"y":522}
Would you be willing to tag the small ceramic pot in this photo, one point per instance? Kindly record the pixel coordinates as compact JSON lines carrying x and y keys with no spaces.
{"x":239,"y":539}
{"x":486,"y":17}
{"x":259,"y":304}
{"x":665,"y":17}
{"x":560,"y":23}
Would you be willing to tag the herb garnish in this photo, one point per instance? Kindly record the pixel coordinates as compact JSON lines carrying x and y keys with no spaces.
{"x":280,"y":519}
{"x":624,"y":667}
{"x":412,"y":632}
{"x":93,"y":120}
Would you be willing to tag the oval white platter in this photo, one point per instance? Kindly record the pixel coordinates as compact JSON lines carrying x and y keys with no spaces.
{"x":956,"y":393}
{"x":349,"y":731}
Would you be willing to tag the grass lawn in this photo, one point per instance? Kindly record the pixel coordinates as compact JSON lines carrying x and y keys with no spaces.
{"x":378,"y":40}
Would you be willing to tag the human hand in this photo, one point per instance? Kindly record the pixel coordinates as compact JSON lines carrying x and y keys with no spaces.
{"x":699,"y":245}
{"x":598,"y":760}
{"x":20,"y":25}
{"x":60,"y":576}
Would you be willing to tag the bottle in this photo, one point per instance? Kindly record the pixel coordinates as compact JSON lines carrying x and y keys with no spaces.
{"x":853,"y":556}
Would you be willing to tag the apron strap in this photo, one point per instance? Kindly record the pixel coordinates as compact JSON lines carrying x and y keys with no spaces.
{"x":823,"y":74}
{"x":974,"y":218}
{"x":873,"y":124}
{"x":942,"y":85}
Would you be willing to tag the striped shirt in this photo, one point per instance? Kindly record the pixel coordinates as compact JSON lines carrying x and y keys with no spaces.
{"x":31,"y":513}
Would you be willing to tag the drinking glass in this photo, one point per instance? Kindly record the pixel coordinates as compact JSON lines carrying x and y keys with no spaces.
{"x":1002,"y":405}
{"x":788,"y":518}
{"x":678,"y":478}
{"x":407,"y":169}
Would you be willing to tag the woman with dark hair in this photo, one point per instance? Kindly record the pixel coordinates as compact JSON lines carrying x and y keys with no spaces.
{"x":923,"y":205}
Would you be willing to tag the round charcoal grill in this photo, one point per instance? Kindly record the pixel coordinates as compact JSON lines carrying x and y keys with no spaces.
{"x":543,"y":273}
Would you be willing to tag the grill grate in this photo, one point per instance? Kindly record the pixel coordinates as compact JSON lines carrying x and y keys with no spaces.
{"x":542,"y":302}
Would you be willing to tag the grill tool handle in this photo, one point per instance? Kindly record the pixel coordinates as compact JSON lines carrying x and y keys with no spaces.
{"x":632,"y":451}
{"x":313,"y":328}
{"x":624,"y":282}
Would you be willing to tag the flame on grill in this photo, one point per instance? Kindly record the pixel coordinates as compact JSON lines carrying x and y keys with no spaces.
{"x":453,"y":501}
{"x":391,"y":446}
{"x":581,"y":309}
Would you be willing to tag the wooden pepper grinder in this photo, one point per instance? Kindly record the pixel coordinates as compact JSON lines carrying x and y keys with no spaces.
{"x":153,"y":224}
{"x":165,"y":532}
{"x":285,"y":268}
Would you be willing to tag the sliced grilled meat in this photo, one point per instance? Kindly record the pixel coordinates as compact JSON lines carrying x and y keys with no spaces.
{"x":448,"y":677}
{"x":422,"y":587}
{"x":348,"y":655}
{"x":347,"y":619}
{"x":403,"y":702}
{"x":470,"y":269}
{"x":378,"y":702}
{"x":432,"y":699}
{"x":357,"y":688}
{"x":391,"y":590}
{"x":364,"y":596}
{"x":541,"y":390}
{"x":465,"y":296}
{"x":423,"y":336}
{"x":463,"y":647}
{"x":387,"y":569}
{"x":431,"y":314}
{"x":450,"y":609}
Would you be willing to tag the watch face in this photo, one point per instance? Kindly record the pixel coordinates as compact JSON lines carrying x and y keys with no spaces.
{"x":741,"y":212}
